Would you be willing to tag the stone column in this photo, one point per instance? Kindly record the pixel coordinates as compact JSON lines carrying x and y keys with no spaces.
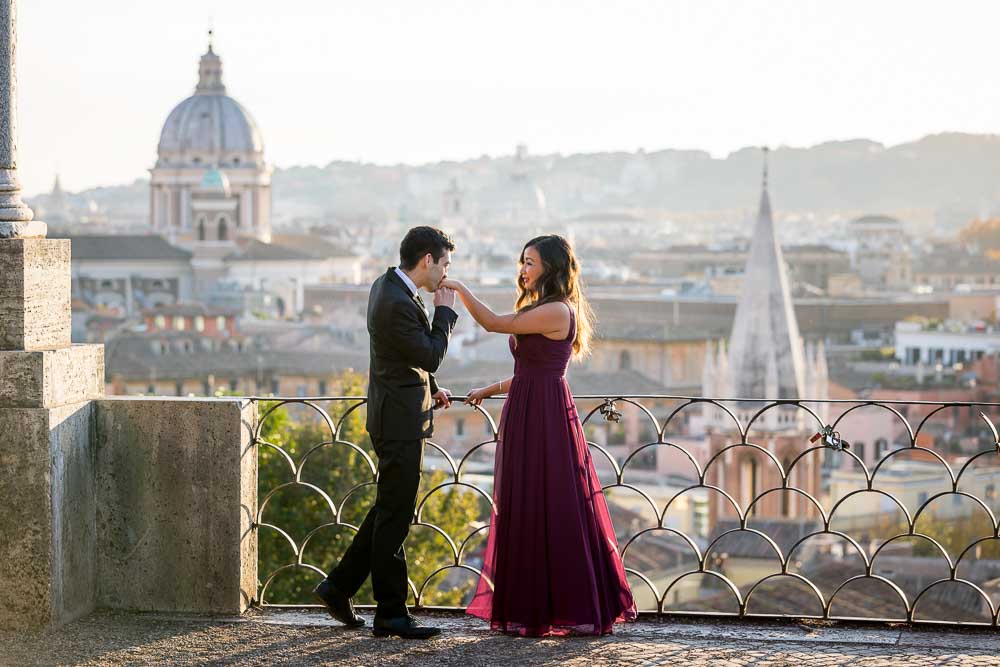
{"x":15,"y":216}
{"x":47,"y":526}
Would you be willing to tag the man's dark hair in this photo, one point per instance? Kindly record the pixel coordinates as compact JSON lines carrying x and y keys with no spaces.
{"x":422,"y":240}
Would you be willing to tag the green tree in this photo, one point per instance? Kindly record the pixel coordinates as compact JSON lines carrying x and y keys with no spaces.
{"x":336,"y":487}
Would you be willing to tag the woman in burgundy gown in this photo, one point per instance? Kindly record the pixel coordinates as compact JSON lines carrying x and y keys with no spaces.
{"x":551,"y":565}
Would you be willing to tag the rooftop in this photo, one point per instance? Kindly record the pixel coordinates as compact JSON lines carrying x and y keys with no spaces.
{"x":134,"y":358}
{"x":127,"y":248}
{"x":264,"y":252}
{"x":945,"y":327}
{"x":191,"y":309}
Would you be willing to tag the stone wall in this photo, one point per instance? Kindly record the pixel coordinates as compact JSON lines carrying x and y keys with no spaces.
{"x":176,"y":498}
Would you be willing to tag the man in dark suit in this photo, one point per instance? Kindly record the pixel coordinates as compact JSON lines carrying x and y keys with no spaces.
{"x":406,"y":348}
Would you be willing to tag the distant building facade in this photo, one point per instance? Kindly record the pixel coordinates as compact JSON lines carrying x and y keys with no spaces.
{"x":947,"y":343}
{"x":126,"y":274}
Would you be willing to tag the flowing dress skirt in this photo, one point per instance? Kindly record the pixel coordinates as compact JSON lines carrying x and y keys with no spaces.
{"x":551,"y":565}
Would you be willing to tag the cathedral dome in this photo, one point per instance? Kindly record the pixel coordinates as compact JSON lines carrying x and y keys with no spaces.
{"x":516,"y":196}
{"x":210,"y":127}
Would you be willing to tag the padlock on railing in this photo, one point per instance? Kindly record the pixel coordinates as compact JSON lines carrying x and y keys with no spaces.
{"x":831,"y":439}
{"x":610,"y":412}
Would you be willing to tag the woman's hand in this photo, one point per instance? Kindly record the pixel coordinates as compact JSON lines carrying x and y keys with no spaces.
{"x":476,"y":396}
{"x":456,"y":285}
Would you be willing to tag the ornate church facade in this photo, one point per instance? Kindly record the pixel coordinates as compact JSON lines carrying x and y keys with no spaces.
{"x":211,"y":184}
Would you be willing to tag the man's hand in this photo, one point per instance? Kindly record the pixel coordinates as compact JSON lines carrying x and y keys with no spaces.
{"x":442,"y":399}
{"x":444,"y":296}
{"x":476,"y":396}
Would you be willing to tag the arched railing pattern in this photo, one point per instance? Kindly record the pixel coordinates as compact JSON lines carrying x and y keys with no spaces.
{"x":721,"y":506}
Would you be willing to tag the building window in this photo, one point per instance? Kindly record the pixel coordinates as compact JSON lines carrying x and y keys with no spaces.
{"x":748,"y":483}
{"x":220,"y":323}
{"x":157,"y":284}
{"x":160,"y":322}
{"x":829,"y":458}
{"x":322,"y":387}
{"x":233,"y":384}
{"x":859,"y":449}
{"x":179,"y":323}
{"x":991,"y":492}
{"x":223,"y":229}
{"x":199,"y":323}
{"x":460,"y":427}
{"x":624,"y":361}
{"x":275,"y":386}
{"x":201,"y":229}
{"x":206,"y":388}
{"x":881,"y":447}
{"x":179,"y":389}
{"x":107,"y":284}
{"x":786,"y":504}
{"x":151,"y":390}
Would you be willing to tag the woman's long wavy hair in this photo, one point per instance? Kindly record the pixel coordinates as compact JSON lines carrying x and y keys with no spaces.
{"x":560,"y":281}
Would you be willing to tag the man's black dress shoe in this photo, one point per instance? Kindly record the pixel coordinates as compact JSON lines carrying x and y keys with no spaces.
{"x":406,"y":627}
{"x":338,"y":604}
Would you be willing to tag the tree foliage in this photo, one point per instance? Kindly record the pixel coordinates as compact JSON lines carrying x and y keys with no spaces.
{"x":985,"y":234}
{"x":335,"y":476}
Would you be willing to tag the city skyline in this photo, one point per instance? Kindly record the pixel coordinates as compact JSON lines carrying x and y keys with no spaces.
{"x":452,"y":83}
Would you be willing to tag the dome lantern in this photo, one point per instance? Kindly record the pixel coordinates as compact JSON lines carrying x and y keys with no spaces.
{"x":210,"y":72}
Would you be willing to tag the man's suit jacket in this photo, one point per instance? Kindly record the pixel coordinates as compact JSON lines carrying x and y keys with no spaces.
{"x":406,"y":349}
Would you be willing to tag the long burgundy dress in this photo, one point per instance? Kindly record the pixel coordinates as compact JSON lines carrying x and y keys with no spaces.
{"x":551,"y":555}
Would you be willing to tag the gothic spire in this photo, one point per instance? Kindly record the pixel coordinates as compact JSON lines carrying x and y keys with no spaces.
{"x":765,"y":351}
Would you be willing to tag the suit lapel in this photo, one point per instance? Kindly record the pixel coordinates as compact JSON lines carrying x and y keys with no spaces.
{"x":423,"y":313}
{"x":396,"y":280}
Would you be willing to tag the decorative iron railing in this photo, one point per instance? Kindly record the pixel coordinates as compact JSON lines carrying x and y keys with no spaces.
{"x":877,"y":510}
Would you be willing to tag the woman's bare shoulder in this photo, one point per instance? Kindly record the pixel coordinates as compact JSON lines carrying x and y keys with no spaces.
{"x":553,"y":309}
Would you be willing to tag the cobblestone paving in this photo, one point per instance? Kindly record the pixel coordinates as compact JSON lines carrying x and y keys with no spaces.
{"x":310,"y":638}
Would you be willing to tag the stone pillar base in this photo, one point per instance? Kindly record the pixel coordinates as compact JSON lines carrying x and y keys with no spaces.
{"x":47,"y":526}
{"x":50,"y":378}
{"x":33,"y":229}
{"x":35,"y":281}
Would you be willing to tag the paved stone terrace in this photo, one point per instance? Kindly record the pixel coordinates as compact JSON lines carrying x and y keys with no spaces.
{"x":311,"y":638}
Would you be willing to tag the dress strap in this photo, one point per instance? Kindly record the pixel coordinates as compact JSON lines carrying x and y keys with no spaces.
{"x":572,"y":322}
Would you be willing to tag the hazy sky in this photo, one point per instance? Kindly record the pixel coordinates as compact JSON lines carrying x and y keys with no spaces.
{"x":419,"y":81}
